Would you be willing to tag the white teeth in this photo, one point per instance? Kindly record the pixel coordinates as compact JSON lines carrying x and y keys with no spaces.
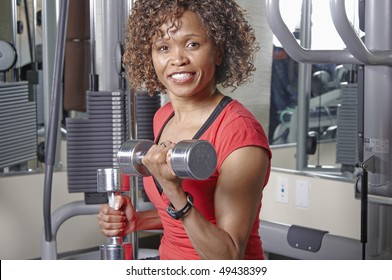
{"x":181,"y":76}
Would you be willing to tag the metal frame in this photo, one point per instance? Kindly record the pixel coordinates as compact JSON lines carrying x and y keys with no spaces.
{"x":333,"y":247}
{"x":377,"y":134}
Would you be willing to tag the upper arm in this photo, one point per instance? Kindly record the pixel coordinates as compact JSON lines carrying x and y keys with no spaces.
{"x":239,"y":192}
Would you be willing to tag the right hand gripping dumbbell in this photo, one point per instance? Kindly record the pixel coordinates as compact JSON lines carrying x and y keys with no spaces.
{"x":192,"y":159}
{"x":111,"y":181}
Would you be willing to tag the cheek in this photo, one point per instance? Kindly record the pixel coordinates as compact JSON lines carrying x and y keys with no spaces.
{"x":157,"y":65}
{"x":209,"y":65}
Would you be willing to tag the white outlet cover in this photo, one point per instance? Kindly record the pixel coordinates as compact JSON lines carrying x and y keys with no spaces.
{"x":302,"y":194}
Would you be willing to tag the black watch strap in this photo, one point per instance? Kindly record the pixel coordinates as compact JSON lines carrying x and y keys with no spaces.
{"x":180,"y":213}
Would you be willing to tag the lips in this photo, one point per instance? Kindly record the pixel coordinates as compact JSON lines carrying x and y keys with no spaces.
{"x":182,"y":77}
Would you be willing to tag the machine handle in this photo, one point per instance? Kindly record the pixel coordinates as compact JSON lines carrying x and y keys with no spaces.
{"x":296,"y":51}
{"x":351,"y":39}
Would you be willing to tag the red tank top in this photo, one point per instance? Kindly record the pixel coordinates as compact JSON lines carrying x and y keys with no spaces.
{"x":233,"y":128}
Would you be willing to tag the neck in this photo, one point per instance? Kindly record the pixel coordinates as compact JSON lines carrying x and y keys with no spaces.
{"x":186,"y":110}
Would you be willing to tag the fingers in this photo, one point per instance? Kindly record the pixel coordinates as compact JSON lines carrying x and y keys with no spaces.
{"x":168,"y":161}
{"x":112,"y":229}
{"x":108,"y":214}
{"x":120,"y":220}
{"x":157,"y":158}
{"x":110,"y":221}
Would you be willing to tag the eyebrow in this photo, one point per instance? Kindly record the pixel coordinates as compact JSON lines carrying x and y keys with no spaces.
{"x":186,"y":35}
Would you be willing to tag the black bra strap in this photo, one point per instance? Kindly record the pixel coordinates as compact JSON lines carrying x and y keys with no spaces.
{"x":219,"y":108}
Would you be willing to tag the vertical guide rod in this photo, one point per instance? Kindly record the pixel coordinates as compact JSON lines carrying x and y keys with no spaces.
{"x":93,"y":77}
{"x":364,"y":212}
{"x":54,"y":117}
{"x":304,"y":84}
{"x":368,"y":165}
{"x":133,"y":135}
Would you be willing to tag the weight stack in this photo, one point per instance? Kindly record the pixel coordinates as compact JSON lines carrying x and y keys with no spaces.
{"x":18,"y":125}
{"x":93,"y":143}
{"x":146,"y":106}
{"x":347,"y":122}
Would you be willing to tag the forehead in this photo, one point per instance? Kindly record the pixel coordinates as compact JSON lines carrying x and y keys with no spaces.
{"x":188,"y":22}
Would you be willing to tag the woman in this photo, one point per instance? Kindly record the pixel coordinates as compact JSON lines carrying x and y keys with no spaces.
{"x":185,"y":49}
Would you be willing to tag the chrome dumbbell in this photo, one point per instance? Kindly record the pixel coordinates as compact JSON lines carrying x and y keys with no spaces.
{"x":192,"y":159}
{"x":111,"y":180}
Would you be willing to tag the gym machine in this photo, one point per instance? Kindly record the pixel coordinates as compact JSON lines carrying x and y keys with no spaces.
{"x":111,"y":87}
{"x":374,"y":57}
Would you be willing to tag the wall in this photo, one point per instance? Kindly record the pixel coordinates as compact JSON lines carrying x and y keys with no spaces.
{"x":21,"y":218}
{"x":332,"y":205}
{"x":256,"y":94}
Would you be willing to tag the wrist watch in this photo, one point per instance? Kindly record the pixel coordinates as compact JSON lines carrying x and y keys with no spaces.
{"x":180,"y":213}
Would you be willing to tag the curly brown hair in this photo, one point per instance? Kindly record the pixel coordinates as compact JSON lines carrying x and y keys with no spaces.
{"x":224,"y":22}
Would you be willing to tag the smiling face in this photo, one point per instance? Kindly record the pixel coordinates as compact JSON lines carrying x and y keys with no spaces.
{"x":185,"y":58}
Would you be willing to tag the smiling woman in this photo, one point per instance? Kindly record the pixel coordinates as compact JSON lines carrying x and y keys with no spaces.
{"x":186,"y":49}
{"x":183,"y":57}
{"x":236,"y":38}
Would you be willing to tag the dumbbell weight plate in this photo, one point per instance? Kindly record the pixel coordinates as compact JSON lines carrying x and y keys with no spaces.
{"x":129,"y":157}
{"x":110,"y":180}
{"x":193,"y":159}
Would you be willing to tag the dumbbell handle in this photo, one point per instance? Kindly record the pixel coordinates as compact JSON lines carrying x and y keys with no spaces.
{"x":192,"y":159}
{"x":111,"y":181}
{"x":113,"y":240}
{"x":111,"y":199}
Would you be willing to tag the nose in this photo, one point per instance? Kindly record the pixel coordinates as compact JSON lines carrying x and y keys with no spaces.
{"x":179,"y":57}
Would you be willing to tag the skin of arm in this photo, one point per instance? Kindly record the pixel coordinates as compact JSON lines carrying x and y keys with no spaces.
{"x":237,"y":198}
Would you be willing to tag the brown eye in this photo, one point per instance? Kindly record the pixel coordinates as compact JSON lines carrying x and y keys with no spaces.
{"x":193,"y":45}
{"x":163,"y":48}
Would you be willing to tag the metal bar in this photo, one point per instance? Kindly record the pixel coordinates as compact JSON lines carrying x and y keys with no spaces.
{"x":134,"y":182}
{"x":54,"y":119}
{"x":93,"y":77}
{"x":62,"y":214}
{"x":298,"y":53}
{"x":29,"y":34}
{"x":334,"y":247}
{"x":304,"y":87}
{"x":351,"y":39}
{"x":108,"y":78}
{"x":364,"y":213}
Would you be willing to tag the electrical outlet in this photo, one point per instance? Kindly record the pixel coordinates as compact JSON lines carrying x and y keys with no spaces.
{"x":282,"y":190}
{"x":302,"y":196}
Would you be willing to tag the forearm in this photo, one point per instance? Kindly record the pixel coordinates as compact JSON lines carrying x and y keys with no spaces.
{"x":210,"y":241}
{"x":148,"y":220}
